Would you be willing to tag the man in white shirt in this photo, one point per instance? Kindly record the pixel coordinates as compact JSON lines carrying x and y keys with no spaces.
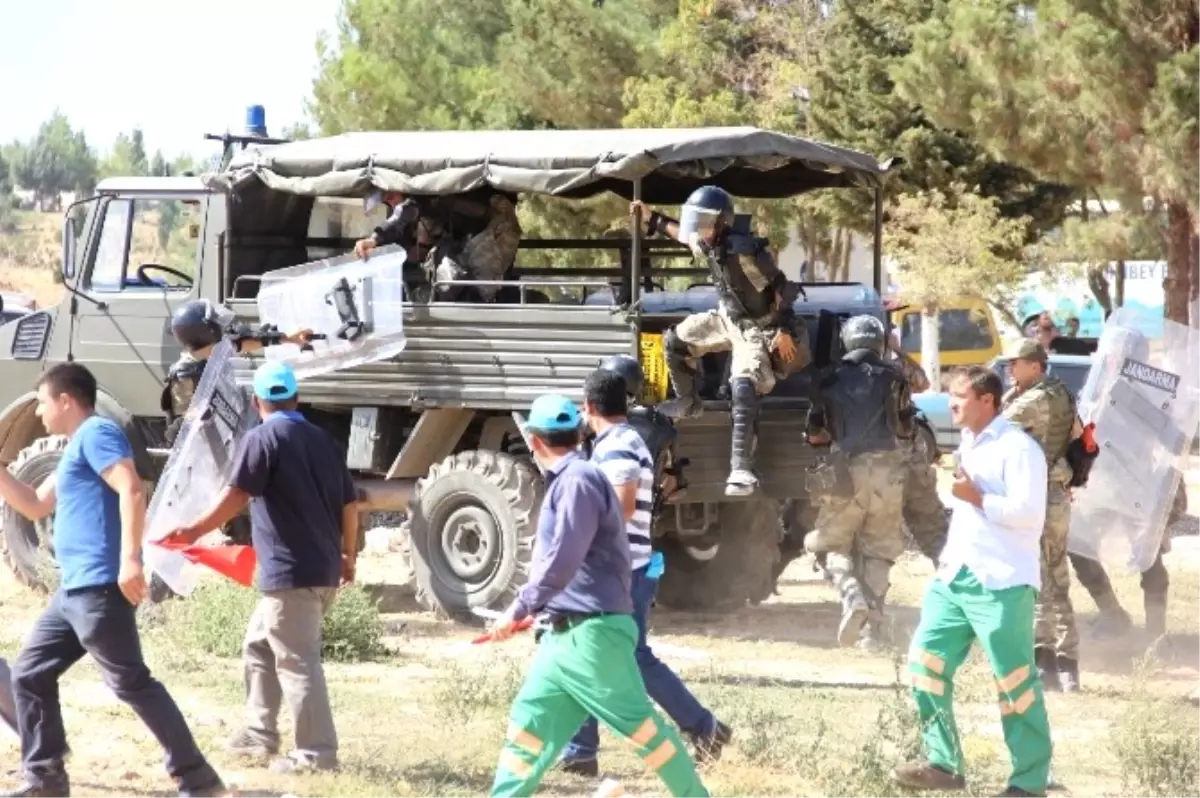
{"x":985,"y":589}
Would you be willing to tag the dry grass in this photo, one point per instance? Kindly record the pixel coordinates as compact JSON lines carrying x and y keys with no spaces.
{"x":30,"y":256}
{"x":810,"y":719}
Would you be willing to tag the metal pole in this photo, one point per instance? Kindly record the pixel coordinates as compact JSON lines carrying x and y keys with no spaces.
{"x":635,"y":268}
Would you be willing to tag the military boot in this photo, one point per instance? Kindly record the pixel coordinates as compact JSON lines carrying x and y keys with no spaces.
{"x":1114,"y":621}
{"x":854,"y":610}
{"x":742,"y":480}
{"x":1156,"y":617}
{"x":686,"y":403}
{"x":1068,"y":674}
{"x":1047,"y":667}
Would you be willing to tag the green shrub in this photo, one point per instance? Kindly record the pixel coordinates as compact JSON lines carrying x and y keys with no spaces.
{"x":214,"y":619}
{"x":1156,"y":742}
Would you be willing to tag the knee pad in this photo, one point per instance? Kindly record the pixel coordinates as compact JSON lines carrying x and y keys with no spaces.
{"x":742,"y":391}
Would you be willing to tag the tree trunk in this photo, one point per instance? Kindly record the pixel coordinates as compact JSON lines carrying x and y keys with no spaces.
{"x":1177,"y":286}
{"x":1098,"y":282}
{"x":930,"y":347}
{"x":1119,"y":285}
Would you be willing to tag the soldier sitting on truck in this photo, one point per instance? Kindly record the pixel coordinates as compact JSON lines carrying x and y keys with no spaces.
{"x":755,"y":321}
{"x":198,"y":326}
{"x":473,"y":236}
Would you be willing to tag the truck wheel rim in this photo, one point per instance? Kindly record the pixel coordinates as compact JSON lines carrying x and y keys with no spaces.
{"x":470,"y":541}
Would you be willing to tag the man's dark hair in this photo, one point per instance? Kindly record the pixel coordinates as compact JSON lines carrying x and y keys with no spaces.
{"x":74,"y":380}
{"x":605,"y":391}
{"x":983,"y":382}
{"x":281,"y":405}
{"x":557,"y":438}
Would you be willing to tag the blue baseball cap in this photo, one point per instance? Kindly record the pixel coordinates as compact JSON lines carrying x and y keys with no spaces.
{"x":553,"y":413}
{"x":274,"y":381}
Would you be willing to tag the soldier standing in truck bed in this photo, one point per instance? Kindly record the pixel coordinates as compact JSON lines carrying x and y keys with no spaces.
{"x":472,"y":236}
{"x":755,"y":322}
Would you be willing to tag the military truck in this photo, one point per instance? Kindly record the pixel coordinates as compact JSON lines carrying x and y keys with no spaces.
{"x":433,"y":432}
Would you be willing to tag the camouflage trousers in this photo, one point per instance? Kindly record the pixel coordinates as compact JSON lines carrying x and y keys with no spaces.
{"x":858,"y":528}
{"x":924,"y":513}
{"x":1054,"y":616}
{"x":749,"y":347}
{"x":490,"y":254}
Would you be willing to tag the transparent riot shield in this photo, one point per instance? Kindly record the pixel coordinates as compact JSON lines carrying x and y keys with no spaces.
{"x":199,"y":464}
{"x":1142,"y":395}
{"x":353,"y":306}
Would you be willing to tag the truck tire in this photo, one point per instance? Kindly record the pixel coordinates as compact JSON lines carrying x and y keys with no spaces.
{"x":471,"y":525}
{"x":27,"y":547}
{"x":742,"y":569}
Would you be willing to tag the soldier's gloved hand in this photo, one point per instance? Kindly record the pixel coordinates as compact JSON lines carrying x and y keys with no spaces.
{"x":299,"y":338}
{"x":363,"y":247}
{"x":785,"y":345}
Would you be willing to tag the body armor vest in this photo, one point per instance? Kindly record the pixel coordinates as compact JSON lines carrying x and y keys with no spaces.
{"x":860,"y":398}
{"x":1053,"y":420}
{"x":655,"y":429}
{"x":736,"y":275}
{"x":182,"y":380}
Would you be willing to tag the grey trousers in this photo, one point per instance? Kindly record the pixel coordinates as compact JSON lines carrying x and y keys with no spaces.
{"x":8,"y":707}
{"x":282,"y":653}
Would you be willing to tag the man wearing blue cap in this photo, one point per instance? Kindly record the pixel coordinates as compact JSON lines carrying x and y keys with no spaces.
{"x":304,"y":526}
{"x":580,"y":583}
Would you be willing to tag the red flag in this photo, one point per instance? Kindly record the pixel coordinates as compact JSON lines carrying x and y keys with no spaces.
{"x":233,"y":562}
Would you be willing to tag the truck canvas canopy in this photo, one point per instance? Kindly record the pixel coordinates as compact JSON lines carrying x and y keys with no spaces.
{"x":669,"y":163}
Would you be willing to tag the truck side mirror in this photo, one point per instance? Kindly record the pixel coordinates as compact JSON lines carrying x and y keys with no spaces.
{"x":68,"y":248}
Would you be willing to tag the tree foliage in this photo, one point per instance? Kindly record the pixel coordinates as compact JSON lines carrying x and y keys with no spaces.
{"x":1090,"y":93}
{"x":127,"y":157}
{"x":58,"y":159}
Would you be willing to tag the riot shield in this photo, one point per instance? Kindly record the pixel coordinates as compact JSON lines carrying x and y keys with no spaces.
{"x":1142,"y":395}
{"x":199,"y":464}
{"x":353,"y":305}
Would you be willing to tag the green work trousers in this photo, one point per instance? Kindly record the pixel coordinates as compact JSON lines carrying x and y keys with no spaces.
{"x":588,"y":669}
{"x":953,"y":616}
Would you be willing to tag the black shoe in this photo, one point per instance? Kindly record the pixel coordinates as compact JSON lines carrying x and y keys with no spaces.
{"x":708,"y":747}
{"x":588,"y":768}
{"x":204,"y":786}
{"x":49,"y":789}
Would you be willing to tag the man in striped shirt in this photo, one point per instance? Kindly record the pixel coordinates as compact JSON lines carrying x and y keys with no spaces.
{"x":621,"y":454}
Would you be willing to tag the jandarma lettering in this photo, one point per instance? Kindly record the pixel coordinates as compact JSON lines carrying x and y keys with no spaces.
{"x":1149,"y":375}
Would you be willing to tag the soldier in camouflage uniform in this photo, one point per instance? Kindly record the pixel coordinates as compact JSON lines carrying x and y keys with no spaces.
{"x":862,"y":410}
{"x":924,"y":514}
{"x":473,"y":236}
{"x":755,"y":322}
{"x":1042,"y":406}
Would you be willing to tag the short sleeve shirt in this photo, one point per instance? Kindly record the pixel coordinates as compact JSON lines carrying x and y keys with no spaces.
{"x":87,"y":520}
{"x":296,"y":476}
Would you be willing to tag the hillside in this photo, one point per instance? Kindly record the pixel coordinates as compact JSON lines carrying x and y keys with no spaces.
{"x":30,"y":255}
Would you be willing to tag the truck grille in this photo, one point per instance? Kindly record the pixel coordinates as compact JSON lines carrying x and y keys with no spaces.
{"x":29,"y":341}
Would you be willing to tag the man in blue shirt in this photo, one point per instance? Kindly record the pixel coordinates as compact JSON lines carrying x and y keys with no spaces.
{"x":100,"y":509}
{"x":304,"y":526}
{"x":580,"y":581}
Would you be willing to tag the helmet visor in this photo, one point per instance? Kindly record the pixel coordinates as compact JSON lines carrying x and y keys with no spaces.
{"x":696,"y":223}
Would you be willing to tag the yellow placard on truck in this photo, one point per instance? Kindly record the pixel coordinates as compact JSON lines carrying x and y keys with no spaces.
{"x":654,"y":367}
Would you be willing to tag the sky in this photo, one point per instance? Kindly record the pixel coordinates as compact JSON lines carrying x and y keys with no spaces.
{"x":176,"y":69}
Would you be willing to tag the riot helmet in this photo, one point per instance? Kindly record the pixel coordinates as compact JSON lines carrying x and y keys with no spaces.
{"x":864,"y":332}
{"x":629,"y":370}
{"x":195,"y":325}
{"x":706,"y":215}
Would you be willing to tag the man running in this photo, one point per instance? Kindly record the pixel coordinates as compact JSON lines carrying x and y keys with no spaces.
{"x":580,"y":581}
{"x":623,"y":457}
{"x":100,"y":509}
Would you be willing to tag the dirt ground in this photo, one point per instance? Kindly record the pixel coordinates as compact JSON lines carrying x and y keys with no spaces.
{"x":809,"y":718}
